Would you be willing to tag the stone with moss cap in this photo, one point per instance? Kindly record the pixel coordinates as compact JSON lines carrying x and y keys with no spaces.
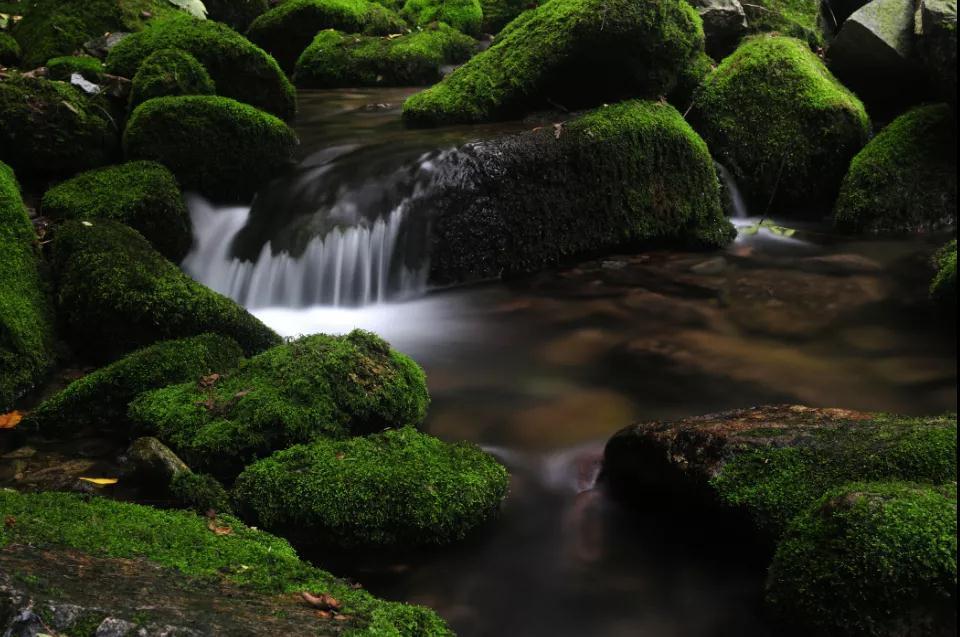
{"x":10,"y":52}
{"x":169,"y":72}
{"x":875,"y":558}
{"x":239,"y":69}
{"x":576,"y":53}
{"x":463,"y":15}
{"x":793,"y":18}
{"x":943,"y":288}
{"x":785,"y":127}
{"x":220,"y":147}
{"x":62,"y":68}
{"x":335,"y":59}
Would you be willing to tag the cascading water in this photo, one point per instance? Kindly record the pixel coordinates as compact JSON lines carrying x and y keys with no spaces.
{"x":737,"y":202}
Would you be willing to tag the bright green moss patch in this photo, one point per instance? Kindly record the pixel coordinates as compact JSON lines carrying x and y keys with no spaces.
{"x":237,"y":14}
{"x":794,"y":18}
{"x":336,"y":59}
{"x":905,"y":179}
{"x":943,"y":289}
{"x":9,"y":50}
{"x":169,"y":72}
{"x":142,"y":194}
{"x":575,"y":53}
{"x":215,"y":145}
{"x":117,"y":294}
{"x":62,"y":68}
{"x":398,"y":488}
{"x":181,"y":540}
{"x":315,"y":386}
{"x":871,"y":559}
{"x":785,"y":127}
{"x":100,"y":399}
{"x":463,"y":15}
{"x":239,"y":69}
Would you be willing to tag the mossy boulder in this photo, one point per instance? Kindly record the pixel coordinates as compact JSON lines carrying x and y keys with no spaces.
{"x":99,"y":400}
{"x":200,"y":493}
{"x":237,"y":14}
{"x":220,"y":147}
{"x":10,"y":52}
{"x":169,"y":72}
{"x":780,"y":122}
{"x":462,"y":15}
{"x":943,"y":289}
{"x":399,"y":488}
{"x":26,"y":326}
{"x":793,"y":18}
{"x":905,"y":179}
{"x":498,"y":13}
{"x":312,"y":387}
{"x":871,"y":559}
{"x":239,"y":69}
{"x":117,"y":294}
{"x":286,"y":30}
{"x":62,"y":68}
{"x":336,"y":59}
{"x":576,"y":53}
{"x":142,"y":194}
{"x":49,"y":129}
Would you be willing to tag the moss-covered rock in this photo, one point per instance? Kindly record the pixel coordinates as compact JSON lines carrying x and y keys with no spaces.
{"x":215,"y":145}
{"x":199,"y":492}
{"x":784,"y":126}
{"x":943,"y":288}
{"x":286,"y":30}
{"x":251,"y":560}
{"x":576,"y":53}
{"x":239,"y":69}
{"x":498,"y":13}
{"x":793,"y":18}
{"x":99,"y":400}
{"x":237,"y":14}
{"x":62,"y":68}
{"x":335,"y":59}
{"x":315,"y":386}
{"x":463,"y":15}
{"x":48,"y":129}
{"x":905,"y":179}
{"x":871,"y":559}
{"x":169,"y":72}
{"x":398,"y":488}
{"x":26,"y":330}
{"x":10,"y":52}
{"x":142,"y":194}
{"x":117,"y":294}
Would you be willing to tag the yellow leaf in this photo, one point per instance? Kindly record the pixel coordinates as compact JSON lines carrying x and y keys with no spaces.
{"x":101,"y":482}
{"x":10,"y":419}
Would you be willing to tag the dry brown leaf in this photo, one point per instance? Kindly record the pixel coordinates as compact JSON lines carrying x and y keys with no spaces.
{"x":9,"y":521}
{"x":217,"y":529}
{"x":10,"y":419}
{"x":209,"y":381}
{"x":321,"y":601}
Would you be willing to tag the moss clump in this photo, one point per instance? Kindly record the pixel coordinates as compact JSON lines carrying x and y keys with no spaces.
{"x":336,"y":59}
{"x":794,"y":18}
{"x":239,"y":69}
{"x":784,"y":126}
{"x":871,"y":559}
{"x":400,"y":487}
{"x":142,"y":194}
{"x":199,"y":492}
{"x":237,"y":14}
{"x":62,"y":68}
{"x":905,"y":179}
{"x":117,"y":294}
{"x":216,"y":145}
{"x":48,"y":129}
{"x":26,"y":332}
{"x":9,"y":50}
{"x":100,"y":399}
{"x":182,"y":540}
{"x":575,"y":53}
{"x":315,"y":386}
{"x":286,"y":30}
{"x":498,"y":13}
{"x":169,"y":72}
{"x":463,"y":15}
{"x":943,"y":289}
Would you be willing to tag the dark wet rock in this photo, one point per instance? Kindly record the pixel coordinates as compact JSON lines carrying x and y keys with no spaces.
{"x":724,"y":23}
{"x":154,"y":462}
{"x":100,"y":47}
{"x":935,"y":24}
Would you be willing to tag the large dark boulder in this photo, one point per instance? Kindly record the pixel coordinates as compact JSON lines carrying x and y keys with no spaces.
{"x":935,"y":24}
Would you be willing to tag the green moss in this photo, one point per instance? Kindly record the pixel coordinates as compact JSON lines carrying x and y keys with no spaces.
{"x":215,"y":145}
{"x":142,"y":194}
{"x":9,"y":50}
{"x":905,"y":179}
{"x":100,"y":399}
{"x":794,"y":18}
{"x":199,"y":492}
{"x":775,"y":484}
{"x":943,"y":288}
{"x":286,"y":30}
{"x":181,"y":540}
{"x":691,"y":77}
{"x":62,"y":68}
{"x":237,"y":14}
{"x":315,"y":386}
{"x":336,"y":59}
{"x":576,"y":53}
{"x":26,"y":332}
{"x":784,"y":126}
{"x":117,"y":294}
{"x":498,"y":13}
{"x":239,"y":69}
{"x":400,"y":487}
{"x":463,"y":15}
{"x":169,"y":72}
{"x":871,"y":559}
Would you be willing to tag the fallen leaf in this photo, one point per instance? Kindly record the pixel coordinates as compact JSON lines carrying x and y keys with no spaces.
{"x":10,"y":419}
{"x":321,"y":601}
{"x":9,"y":521}
{"x":209,"y":381}
{"x":341,"y":618}
{"x":324,"y":614}
{"x":217,"y":529}
{"x":101,"y":482}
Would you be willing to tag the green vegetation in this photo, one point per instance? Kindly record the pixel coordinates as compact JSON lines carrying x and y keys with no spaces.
{"x":239,"y":69}
{"x":142,"y":194}
{"x":61,"y":68}
{"x":199,"y":492}
{"x":400,"y":487}
{"x":463,"y":15}
{"x":215,"y":145}
{"x":117,"y":294}
{"x":498,"y":13}
{"x":905,"y":179}
{"x":169,"y":72}
{"x":237,"y":14}
{"x":943,"y":289}
{"x":100,"y":399}
{"x":26,"y":331}
{"x":182,"y":540}
{"x":336,"y":59}
{"x":9,"y":50}
{"x":314,"y":386}
{"x":794,"y":18}
{"x":781,"y":123}
{"x":575,"y":53}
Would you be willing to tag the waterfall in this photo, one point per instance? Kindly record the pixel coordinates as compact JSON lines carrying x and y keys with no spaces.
{"x":737,"y":202}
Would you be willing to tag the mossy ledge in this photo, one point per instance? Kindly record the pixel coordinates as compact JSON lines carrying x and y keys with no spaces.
{"x":62,"y":68}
